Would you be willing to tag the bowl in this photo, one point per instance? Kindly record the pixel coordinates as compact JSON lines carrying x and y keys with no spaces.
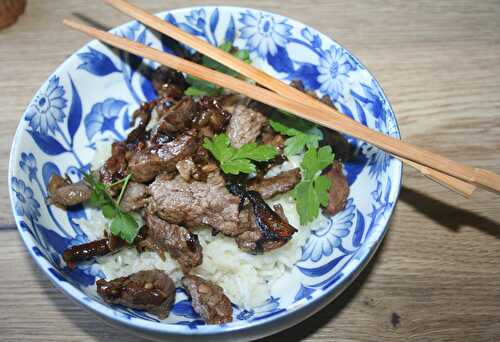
{"x":90,"y":98}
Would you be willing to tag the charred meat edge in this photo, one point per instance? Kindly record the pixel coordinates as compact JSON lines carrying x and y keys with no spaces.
{"x":101,"y":247}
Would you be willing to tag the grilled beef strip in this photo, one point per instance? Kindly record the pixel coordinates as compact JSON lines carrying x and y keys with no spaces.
{"x":180,"y":243}
{"x":134,"y":197}
{"x":339,"y":191}
{"x":165,"y":78}
{"x":152,"y":291}
{"x":64,"y":193}
{"x":146,"y":164}
{"x":115,"y":167}
{"x":177,"y":118}
{"x":211,"y":118}
{"x":196,"y":204}
{"x":208,"y":300}
{"x":245,"y":124}
{"x":279,"y":184}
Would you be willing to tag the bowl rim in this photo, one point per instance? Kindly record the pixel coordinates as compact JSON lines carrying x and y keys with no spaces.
{"x":307,"y":308}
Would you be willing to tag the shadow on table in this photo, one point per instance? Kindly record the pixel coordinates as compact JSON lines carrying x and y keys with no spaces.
{"x":448,"y":215}
{"x":90,"y":21}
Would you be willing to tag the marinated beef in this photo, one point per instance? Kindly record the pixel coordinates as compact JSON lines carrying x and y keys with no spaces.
{"x":164,"y":78}
{"x":279,"y":184}
{"x":253,"y":240}
{"x":208,"y":300}
{"x":115,"y":168}
{"x":151,"y":161}
{"x":64,"y":193}
{"x":339,"y":190}
{"x":245,"y":124}
{"x":180,"y":243}
{"x":101,"y":247}
{"x":264,"y":229}
{"x":152,"y":291}
{"x":196,"y":204}
{"x":134,"y":197}
{"x":211,"y":117}
{"x":177,"y":118}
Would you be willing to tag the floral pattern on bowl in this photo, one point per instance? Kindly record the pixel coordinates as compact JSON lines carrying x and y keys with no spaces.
{"x":90,"y":98}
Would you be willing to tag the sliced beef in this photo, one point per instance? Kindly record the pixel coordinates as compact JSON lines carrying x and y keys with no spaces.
{"x":196,"y":204}
{"x":245,"y":124}
{"x":208,"y":300}
{"x":64,"y":193}
{"x":164,"y":78}
{"x":115,"y":168}
{"x":270,"y":137}
{"x":143,"y":113}
{"x":151,"y":161}
{"x":180,"y":243}
{"x":211,"y":117}
{"x":177,"y":118}
{"x":136,"y":140}
{"x":152,"y":291}
{"x":134,"y":197}
{"x":339,"y":190}
{"x":279,"y":184}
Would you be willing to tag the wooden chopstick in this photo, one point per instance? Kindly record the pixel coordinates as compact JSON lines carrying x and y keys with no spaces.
{"x":464,"y":188}
{"x":337,"y":122}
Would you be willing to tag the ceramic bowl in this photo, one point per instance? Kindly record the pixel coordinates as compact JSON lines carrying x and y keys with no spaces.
{"x":91,"y":97}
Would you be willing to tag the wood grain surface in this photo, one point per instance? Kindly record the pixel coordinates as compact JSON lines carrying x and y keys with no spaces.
{"x":436,"y":276}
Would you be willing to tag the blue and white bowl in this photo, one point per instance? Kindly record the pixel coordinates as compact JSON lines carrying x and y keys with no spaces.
{"x":90,"y":98}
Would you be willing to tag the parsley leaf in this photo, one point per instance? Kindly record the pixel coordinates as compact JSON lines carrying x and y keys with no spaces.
{"x":312,"y":191}
{"x":200,"y":88}
{"x":235,"y":161}
{"x":123,"y":224}
{"x":301,"y":132}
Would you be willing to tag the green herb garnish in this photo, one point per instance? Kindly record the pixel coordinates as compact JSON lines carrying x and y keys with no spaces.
{"x":200,"y":88}
{"x":235,"y":161}
{"x":122,"y":224}
{"x":301,"y":133}
{"x":312,"y":191}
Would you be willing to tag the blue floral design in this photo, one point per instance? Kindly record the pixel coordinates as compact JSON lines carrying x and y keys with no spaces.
{"x":28,"y":165}
{"x":264,"y":33}
{"x":102,"y":118}
{"x":46,"y":109}
{"x":324,"y":240}
{"x":26,"y":205}
{"x":96,"y":63}
{"x":333,"y":70}
{"x":378,"y":160}
{"x":197,"y":18}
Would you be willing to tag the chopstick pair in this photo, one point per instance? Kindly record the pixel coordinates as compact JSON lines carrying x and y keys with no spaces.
{"x":460,"y":178}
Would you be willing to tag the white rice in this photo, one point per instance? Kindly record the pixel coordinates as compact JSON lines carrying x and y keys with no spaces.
{"x":246,"y":279}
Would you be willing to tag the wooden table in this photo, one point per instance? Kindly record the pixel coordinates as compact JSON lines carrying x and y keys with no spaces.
{"x":436,"y":276}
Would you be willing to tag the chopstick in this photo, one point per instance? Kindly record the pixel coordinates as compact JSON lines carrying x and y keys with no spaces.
{"x":484,"y":178}
{"x":464,"y":188}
